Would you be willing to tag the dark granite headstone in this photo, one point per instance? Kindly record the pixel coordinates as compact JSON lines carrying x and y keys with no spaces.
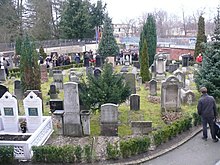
{"x":53,"y":92}
{"x":134,"y":102}
{"x":97,"y":73}
{"x":136,"y":64}
{"x":56,"y":104}
{"x":3,"y":89}
{"x":185,"y":60}
{"x":17,"y":89}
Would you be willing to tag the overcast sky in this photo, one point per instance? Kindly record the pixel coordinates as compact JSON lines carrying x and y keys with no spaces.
{"x":120,"y":10}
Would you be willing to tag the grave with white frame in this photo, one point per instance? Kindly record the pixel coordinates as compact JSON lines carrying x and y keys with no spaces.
{"x":9,"y":112}
{"x":171,"y":94}
{"x":33,"y":111}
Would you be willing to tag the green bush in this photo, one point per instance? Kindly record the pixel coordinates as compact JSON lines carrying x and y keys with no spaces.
{"x":134,"y":146}
{"x":196,"y":119}
{"x":53,"y":154}
{"x":157,"y":137}
{"x":88,"y":153}
{"x":6,"y":154}
{"x":78,"y":153}
{"x":113,"y":151}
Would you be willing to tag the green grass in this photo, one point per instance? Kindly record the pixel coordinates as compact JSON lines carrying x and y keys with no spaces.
{"x":148,"y":111}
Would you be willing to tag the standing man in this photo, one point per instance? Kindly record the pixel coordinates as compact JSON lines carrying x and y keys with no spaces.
{"x":207,"y":110}
{"x":6,"y":64}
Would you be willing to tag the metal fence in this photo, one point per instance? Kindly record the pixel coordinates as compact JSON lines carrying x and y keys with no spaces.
{"x":181,"y":41}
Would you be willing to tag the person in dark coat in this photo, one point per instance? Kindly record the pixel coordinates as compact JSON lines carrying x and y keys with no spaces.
{"x":208,"y":111}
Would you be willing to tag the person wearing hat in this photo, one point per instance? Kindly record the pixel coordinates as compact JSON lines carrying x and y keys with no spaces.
{"x":208,"y":111}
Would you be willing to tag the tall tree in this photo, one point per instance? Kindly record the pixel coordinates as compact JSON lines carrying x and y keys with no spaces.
{"x":76,"y":20}
{"x":108,"y":88}
{"x":208,"y":74}
{"x":39,"y":19}
{"x":9,"y":21}
{"x":151,"y":37}
{"x":108,"y":45}
{"x":201,"y":37}
{"x":144,"y":70}
{"x":29,"y":67}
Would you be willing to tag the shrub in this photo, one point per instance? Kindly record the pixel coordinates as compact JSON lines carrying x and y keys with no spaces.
{"x":78,"y":153}
{"x":196,"y":119}
{"x":6,"y":154}
{"x":112,"y":151}
{"x":88,"y":153}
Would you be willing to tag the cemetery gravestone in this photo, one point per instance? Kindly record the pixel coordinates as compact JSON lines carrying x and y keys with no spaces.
{"x":185,"y":60}
{"x":89,"y":70}
{"x":188,"y":97}
{"x":97,"y":73}
{"x":72,"y":122}
{"x":17,"y":89}
{"x":85,"y":118}
{"x":135,"y":102}
{"x":181,"y":76}
{"x":136,"y":64}
{"x":56,"y":104}
{"x":153,"y":87}
{"x":141,"y":127}
{"x":9,"y":113}
{"x":171,"y":94}
{"x":33,"y":111}
{"x":160,"y":61}
{"x":58,"y":117}
{"x":109,"y":119}
{"x":53,"y":92}
{"x":130,"y":79}
{"x":58,"y":80}
{"x":43,"y":71}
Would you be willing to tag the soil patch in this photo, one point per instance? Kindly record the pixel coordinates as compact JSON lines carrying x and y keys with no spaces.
{"x":14,"y":137}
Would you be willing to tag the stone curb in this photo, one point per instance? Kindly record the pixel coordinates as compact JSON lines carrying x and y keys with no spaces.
{"x":161,"y":152}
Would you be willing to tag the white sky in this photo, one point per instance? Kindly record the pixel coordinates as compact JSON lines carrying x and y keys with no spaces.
{"x":120,"y":10}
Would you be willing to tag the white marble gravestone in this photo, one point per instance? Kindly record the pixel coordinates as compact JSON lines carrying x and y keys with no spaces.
{"x":33,"y":111}
{"x":9,"y":111}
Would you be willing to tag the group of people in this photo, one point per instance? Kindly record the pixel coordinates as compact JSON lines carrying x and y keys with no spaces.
{"x":56,"y":60}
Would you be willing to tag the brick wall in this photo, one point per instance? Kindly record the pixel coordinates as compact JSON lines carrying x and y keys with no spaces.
{"x":175,"y":52}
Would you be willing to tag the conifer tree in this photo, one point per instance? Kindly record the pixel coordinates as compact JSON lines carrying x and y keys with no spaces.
{"x":42,"y":53}
{"x":29,"y":67}
{"x":144,"y":70}
{"x":108,"y":45}
{"x":151,"y":37}
{"x":201,"y":38}
{"x":108,"y":88}
{"x":18,"y":44}
{"x":208,"y":74}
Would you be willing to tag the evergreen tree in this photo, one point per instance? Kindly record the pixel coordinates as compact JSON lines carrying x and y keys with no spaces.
{"x":108,"y":88}
{"x":76,"y":20}
{"x":144,"y":71}
{"x":42,"y":53}
{"x":201,"y":38}
{"x":151,"y":37}
{"x":108,"y":45}
{"x":208,"y":74}
{"x":18,"y":44}
{"x":29,"y":67}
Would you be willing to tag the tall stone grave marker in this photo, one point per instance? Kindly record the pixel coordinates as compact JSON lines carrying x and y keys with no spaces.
{"x":43,"y":71}
{"x":9,"y":111}
{"x":130,"y":79}
{"x":17,"y":89}
{"x":153,"y":87}
{"x":58,"y":80}
{"x":109,"y":119}
{"x":171,"y":94}
{"x":135,"y":102}
{"x":160,"y":61}
{"x":33,"y":111}
{"x":53,"y":92}
{"x":72,"y":122}
{"x":181,"y":76}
